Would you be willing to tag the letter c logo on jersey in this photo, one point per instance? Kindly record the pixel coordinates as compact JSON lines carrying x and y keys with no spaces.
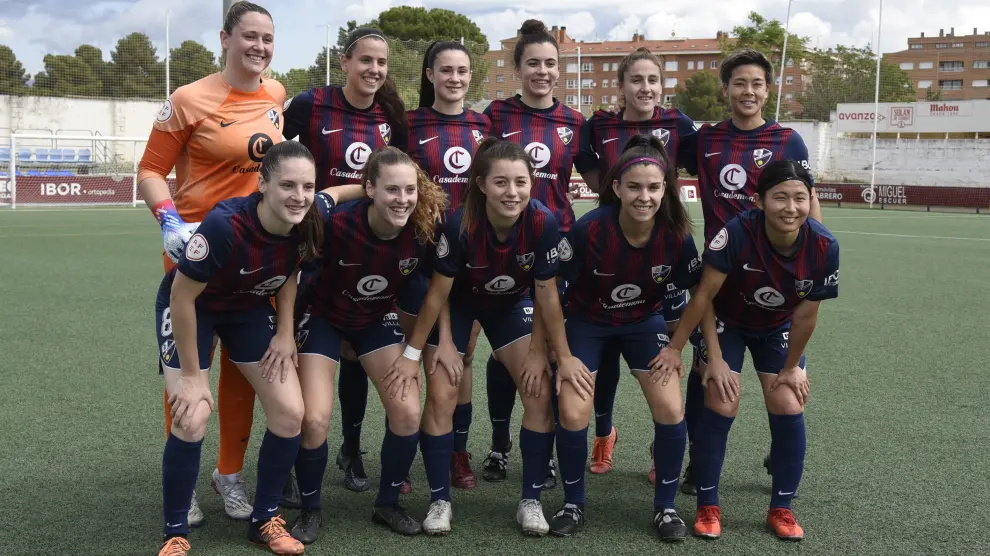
{"x":500,"y":284}
{"x":732,"y":177}
{"x":769,"y":297}
{"x":626,"y":292}
{"x":258,"y":145}
{"x":539,"y":152}
{"x":370,"y":285}
{"x":357,"y":155}
{"x":457,"y":160}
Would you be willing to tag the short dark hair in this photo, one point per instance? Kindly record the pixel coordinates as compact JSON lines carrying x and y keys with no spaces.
{"x":778,"y":172}
{"x":745,"y":57}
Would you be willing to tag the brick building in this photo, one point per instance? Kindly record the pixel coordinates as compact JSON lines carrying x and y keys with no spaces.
{"x":597,"y":73}
{"x":958,"y":66}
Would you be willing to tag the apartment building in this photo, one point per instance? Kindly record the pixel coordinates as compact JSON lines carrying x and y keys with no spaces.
{"x":958,"y":66}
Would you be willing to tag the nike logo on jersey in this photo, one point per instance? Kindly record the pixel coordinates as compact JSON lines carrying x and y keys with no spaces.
{"x":252,"y":271}
{"x":469,"y":265}
{"x":751,"y":269}
{"x":425,"y":141}
{"x":226,"y":124}
{"x":329,"y":131}
{"x":709,"y":155}
{"x":596,"y":273}
{"x":679,"y":305}
{"x":342,"y":263}
{"x":609,"y":140}
{"x":504,"y":135}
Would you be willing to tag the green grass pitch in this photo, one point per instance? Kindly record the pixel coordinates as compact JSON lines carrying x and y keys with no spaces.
{"x":897,"y":421}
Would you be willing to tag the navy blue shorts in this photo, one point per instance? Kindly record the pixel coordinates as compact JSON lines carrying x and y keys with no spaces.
{"x":501,"y":326}
{"x":413,"y":293}
{"x":316,"y":336}
{"x":768,"y":349}
{"x":674,"y":303}
{"x":246,"y":334}
{"x":638,"y":343}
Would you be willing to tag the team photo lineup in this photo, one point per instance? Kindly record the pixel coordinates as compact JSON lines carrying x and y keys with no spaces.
{"x":366,"y":245}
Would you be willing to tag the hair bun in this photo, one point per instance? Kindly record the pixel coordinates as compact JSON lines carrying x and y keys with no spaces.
{"x":637,"y":141}
{"x":532,"y":27}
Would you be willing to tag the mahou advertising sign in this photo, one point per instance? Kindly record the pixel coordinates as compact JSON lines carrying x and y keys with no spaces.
{"x":969,"y":116}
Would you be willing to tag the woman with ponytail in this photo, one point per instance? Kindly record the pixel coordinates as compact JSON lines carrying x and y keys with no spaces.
{"x":496,"y":262}
{"x":375,"y":247}
{"x":443,"y":136}
{"x":342,"y":126}
{"x":246,"y":251}
{"x":625,"y":253}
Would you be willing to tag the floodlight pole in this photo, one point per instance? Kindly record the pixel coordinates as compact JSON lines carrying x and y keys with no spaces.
{"x":876,"y":111}
{"x":783,"y":59}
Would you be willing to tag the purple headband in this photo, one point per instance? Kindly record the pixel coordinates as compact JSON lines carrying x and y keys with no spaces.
{"x":639,"y":160}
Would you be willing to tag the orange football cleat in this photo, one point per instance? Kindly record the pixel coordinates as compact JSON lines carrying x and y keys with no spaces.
{"x":708,"y":522}
{"x":176,"y":546}
{"x":783,"y":524}
{"x":274,"y":535}
{"x":601,"y":453}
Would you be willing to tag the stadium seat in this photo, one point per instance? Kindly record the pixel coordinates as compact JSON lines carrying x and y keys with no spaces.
{"x":33,"y":173}
{"x":54,"y":155}
{"x":68,"y":155}
{"x":85,"y":156}
{"x":41,"y":155}
{"x":3,"y":174}
{"x":24,"y":155}
{"x":4,"y":154}
{"x":64,"y":173}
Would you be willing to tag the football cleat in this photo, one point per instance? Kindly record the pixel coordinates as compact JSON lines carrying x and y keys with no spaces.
{"x":195,"y":516}
{"x":234,"y":495}
{"x":529,"y":515}
{"x":461,"y":475}
{"x":355,"y":479}
{"x":781,"y":521}
{"x":601,"y":454}
{"x":306,"y":528}
{"x":272,"y":534}
{"x":495,"y":468}
{"x":397,"y":519}
{"x":438,"y":518}
{"x":568,"y":521}
{"x":670,"y":526}
{"x":175,"y":546}
{"x":708,"y":522}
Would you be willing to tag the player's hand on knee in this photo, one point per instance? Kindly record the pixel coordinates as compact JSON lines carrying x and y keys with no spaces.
{"x":726,"y":383}
{"x":279,"y":358}
{"x":796,"y":379}
{"x":401,"y":374}
{"x":665,"y":364}
{"x":186,"y":396}
{"x":447,"y":357}
{"x":533,"y":368}
{"x":572,"y":370}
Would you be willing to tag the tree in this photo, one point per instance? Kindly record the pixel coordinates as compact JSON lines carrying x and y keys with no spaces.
{"x":136,"y":70}
{"x":845,"y":75}
{"x":933,"y":95}
{"x":419,"y":24}
{"x":701,"y":98}
{"x":190,"y":62}
{"x":295,"y":81}
{"x":767,"y":36}
{"x":67,"y":76}
{"x":13,"y":78}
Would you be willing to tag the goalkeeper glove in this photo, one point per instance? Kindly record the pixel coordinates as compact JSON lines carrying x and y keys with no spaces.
{"x":175,"y":232}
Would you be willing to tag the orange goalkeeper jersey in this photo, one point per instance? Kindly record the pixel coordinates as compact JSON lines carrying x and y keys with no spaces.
{"x":215,"y":137}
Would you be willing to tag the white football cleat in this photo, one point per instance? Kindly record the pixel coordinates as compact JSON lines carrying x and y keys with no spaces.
{"x":234,"y":495}
{"x":530,"y":517}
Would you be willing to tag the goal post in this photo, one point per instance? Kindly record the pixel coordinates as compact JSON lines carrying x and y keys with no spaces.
{"x":73,"y":170}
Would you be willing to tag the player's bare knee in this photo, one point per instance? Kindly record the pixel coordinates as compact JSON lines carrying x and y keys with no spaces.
{"x":314,"y":427}
{"x":441,"y":395}
{"x":403,"y":416}
{"x":573,"y":413}
{"x":668,"y":414}
{"x":715,"y":403}
{"x":286,"y":418}
{"x":538,"y":408}
{"x":784,"y":401}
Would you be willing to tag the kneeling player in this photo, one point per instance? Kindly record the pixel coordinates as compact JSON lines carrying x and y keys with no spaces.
{"x":765,"y":274}
{"x":246,"y":250}
{"x":493,"y":250}
{"x":625,"y":254}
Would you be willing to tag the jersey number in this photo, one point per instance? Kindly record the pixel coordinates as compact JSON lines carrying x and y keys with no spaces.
{"x":167,"y":322}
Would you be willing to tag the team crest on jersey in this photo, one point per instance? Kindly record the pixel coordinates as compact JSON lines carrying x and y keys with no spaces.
{"x":660,"y":273}
{"x":273,"y":116}
{"x":442,"y":247}
{"x":168,"y":351}
{"x":663,"y":135}
{"x":408,"y":265}
{"x":803,"y":287}
{"x":386,"y":131}
{"x":565,"y":134}
{"x":564,"y":250}
{"x":761,"y":157}
{"x":478,"y":136}
{"x":301,"y":338}
{"x":526,"y":260}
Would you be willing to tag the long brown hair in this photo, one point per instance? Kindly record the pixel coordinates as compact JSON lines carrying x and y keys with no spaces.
{"x":387,"y":96}
{"x":431,"y":198}
{"x":641,"y":53}
{"x":310,"y":230}
{"x":489,"y":151}
{"x":672,"y":213}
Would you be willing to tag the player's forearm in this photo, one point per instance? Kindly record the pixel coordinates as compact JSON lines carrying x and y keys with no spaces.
{"x":693,"y":315}
{"x":443,"y":324}
{"x":154,"y":190}
{"x":345,"y":193}
{"x":709,"y":331}
{"x":285,"y":306}
{"x":551,"y":317}
{"x":802,"y":326}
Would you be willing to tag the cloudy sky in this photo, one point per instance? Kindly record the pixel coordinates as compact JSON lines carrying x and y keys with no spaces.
{"x":36,"y":27}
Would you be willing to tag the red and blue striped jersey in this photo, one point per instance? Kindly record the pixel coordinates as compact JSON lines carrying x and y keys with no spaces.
{"x":242,"y":264}
{"x":362,"y":274}
{"x":610,"y":282}
{"x":728,"y":162}
{"x":551,"y":136}
{"x":489,"y":273}
{"x":606,"y":133}
{"x":443,"y":146}
{"x":340,"y":136}
{"x":762,"y":287}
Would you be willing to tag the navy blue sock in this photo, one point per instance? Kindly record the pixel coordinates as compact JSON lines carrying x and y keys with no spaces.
{"x":709,"y":453}
{"x":462,"y":425}
{"x":693,"y":405}
{"x":501,"y":399}
{"x":669,"y":449}
{"x":352,"y":389}
{"x":310,"y":466}
{"x":572,"y":454}
{"x":397,"y":456}
{"x":536,"y":448}
{"x":787,"y":449}
{"x":436,"y":458}
{"x":180,"y":469}
{"x":606,"y":385}
{"x":275,"y":460}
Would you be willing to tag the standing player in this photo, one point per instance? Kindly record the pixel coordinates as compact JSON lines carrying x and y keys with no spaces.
{"x":246,"y":250}
{"x":625,"y":253}
{"x":728,"y":159}
{"x":342,"y":126}
{"x":766,"y":272}
{"x":214,"y":132}
{"x":443,"y":137}
{"x":549,"y":132}
{"x":374,"y":247}
{"x":602,"y":141}
{"x":493,"y":250}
